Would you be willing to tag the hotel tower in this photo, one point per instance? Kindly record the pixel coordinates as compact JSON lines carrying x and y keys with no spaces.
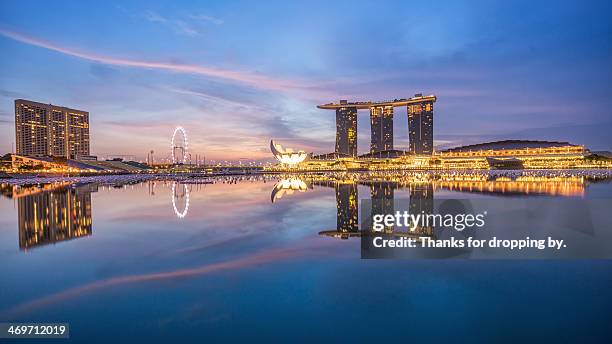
{"x":49,"y":130}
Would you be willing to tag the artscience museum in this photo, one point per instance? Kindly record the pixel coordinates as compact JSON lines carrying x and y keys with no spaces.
{"x":286,"y":155}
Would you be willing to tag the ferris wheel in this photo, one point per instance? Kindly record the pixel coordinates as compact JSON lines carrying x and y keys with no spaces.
{"x":180,"y":199}
{"x":179,"y":146}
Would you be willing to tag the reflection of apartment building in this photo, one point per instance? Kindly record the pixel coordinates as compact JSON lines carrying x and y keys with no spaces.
{"x":50,"y":216}
{"x":45,"y":129}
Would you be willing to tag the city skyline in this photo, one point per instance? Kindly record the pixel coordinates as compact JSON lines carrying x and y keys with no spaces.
{"x":263,"y":69}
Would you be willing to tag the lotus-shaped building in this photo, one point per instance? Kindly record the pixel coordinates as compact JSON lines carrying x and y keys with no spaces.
{"x":287,"y":155}
{"x":287,"y":186}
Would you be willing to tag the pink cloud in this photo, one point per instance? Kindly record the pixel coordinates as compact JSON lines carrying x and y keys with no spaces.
{"x":243,"y":77}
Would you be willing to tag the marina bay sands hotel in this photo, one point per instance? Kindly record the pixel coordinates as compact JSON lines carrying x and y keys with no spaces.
{"x":420,"y":125}
{"x":504,"y":154}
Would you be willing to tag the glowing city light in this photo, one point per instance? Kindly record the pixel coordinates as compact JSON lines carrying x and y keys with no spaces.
{"x":287,"y":186}
{"x":173,"y":145}
{"x":175,"y":196}
{"x":287,"y":155}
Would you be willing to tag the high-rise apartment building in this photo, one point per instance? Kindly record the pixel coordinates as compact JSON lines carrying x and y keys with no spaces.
{"x":50,"y":130}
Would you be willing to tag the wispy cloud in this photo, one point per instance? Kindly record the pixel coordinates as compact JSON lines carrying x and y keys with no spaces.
{"x":141,"y":124}
{"x":209,"y":19}
{"x":176,"y":25}
{"x":11,"y":94}
{"x":244,"y":77}
{"x":154,"y":17}
{"x":184,"y":28}
{"x":215,"y":99}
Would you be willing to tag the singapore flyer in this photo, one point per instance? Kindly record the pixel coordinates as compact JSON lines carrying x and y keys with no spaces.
{"x":179,"y":145}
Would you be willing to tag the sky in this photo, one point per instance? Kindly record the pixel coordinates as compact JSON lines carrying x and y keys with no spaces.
{"x":236,"y":74}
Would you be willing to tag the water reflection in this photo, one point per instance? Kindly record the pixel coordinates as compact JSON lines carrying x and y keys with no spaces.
{"x":287,"y":186}
{"x":145,"y":264}
{"x":557,"y":186}
{"x":348,"y":207}
{"x":382,"y":202}
{"x":54,"y":214}
{"x":382,"y":195}
{"x":421,"y":188}
{"x":421,"y":201}
{"x":180,"y":199}
{"x":49,"y":213}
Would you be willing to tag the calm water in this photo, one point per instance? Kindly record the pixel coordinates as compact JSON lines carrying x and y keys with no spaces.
{"x":245,"y":257}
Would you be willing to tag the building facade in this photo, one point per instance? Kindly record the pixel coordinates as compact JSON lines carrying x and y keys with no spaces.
{"x":346,"y":130}
{"x":52,"y":216}
{"x":50,"y":130}
{"x":420,"y":127}
{"x":381,"y":120}
{"x":420,"y":124}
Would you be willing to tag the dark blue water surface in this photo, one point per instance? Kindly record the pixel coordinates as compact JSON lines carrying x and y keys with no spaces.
{"x":129,"y":263}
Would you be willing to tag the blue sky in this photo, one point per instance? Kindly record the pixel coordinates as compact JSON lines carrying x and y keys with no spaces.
{"x":237,"y":74}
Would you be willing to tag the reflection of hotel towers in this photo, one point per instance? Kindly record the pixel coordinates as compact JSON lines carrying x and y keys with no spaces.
{"x":347,"y":216}
{"x":421,"y":201}
{"x":383,"y":198}
{"x":51,"y":216}
{"x":347,"y":220}
{"x":382,"y":194}
{"x":420,"y":124}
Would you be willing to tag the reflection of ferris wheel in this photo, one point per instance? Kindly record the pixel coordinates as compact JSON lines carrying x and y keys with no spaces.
{"x":180,"y":195}
{"x":179,"y":146}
